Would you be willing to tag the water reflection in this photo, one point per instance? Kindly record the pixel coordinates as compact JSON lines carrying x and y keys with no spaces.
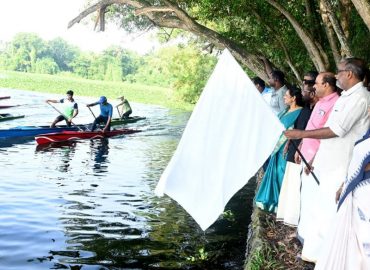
{"x":99,"y":149}
{"x":90,"y":205}
{"x":65,"y":151}
{"x":98,"y":153}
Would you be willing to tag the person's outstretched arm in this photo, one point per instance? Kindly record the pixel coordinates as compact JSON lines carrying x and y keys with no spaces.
{"x":92,"y":104}
{"x":52,"y":101}
{"x":321,"y":133}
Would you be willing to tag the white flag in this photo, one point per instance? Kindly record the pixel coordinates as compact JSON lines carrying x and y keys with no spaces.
{"x":228,"y":137}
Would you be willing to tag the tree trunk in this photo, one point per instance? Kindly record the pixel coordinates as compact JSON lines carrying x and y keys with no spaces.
{"x":345,"y":50}
{"x":310,"y":16}
{"x":330,"y":34}
{"x":363,"y":8}
{"x":171,"y":15}
{"x":345,"y":7}
{"x":313,"y":50}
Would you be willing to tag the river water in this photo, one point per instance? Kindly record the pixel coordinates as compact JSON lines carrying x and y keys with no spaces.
{"x":91,"y":205}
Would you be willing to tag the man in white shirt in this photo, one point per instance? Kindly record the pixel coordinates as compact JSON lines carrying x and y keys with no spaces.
{"x":347,"y":123}
{"x":277,"y":82}
{"x":70,"y":109}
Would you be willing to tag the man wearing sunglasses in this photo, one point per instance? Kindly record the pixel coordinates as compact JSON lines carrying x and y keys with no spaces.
{"x":308,"y":90}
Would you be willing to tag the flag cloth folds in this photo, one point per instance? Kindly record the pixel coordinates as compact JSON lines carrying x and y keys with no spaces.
{"x":228,"y":137}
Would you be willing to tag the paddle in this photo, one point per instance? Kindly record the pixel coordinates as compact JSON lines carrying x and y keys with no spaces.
{"x":65,"y":116}
{"x":92,"y":112}
{"x":94,"y":116}
{"x":119,"y":114}
{"x":305,"y":162}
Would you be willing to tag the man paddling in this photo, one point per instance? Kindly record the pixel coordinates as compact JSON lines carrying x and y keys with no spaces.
{"x":70,"y":109}
{"x":106,"y":112}
{"x":126,"y":108}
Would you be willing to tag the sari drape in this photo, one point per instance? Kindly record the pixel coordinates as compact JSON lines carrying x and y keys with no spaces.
{"x":348,"y":245}
{"x":267,"y":197}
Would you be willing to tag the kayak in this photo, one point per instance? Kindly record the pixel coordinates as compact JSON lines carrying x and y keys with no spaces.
{"x":6,"y":97}
{"x":31,"y":131}
{"x":80,"y":135}
{"x":8,"y":116}
{"x":119,"y":121}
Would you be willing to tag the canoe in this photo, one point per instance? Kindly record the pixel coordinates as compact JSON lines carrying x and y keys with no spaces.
{"x":8,"y":116}
{"x":119,"y":121}
{"x":80,"y":135}
{"x":6,"y":97}
{"x":31,"y":131}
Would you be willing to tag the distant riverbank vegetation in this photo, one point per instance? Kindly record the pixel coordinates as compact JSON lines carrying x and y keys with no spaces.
{"x":172,"y":76}
{"x":59,"y":84}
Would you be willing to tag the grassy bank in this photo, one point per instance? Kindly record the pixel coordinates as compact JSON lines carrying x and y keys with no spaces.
{"x":82,"y":87}
{"x":272,"y":245}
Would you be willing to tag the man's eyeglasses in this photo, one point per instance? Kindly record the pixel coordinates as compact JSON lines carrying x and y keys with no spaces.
{"x":308,"y":82}
{"x":342,"y":70}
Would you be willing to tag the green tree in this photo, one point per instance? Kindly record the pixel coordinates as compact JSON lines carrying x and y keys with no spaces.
{"x":46,"y":65}
{"x":119,"y":58}
{"x":81,"y":65}
{"x":62,"y":53}
{"x":184,"y":68}
{"x":191,"y":69}
{"x":294,"y":35}
{"x":24,"y":50}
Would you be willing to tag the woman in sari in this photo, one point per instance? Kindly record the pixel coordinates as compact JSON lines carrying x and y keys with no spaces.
{"x":348,"y":245}
{"x":268,"y":193}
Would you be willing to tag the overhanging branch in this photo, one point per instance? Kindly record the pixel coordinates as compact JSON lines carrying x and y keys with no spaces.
{"x":145,"y":10}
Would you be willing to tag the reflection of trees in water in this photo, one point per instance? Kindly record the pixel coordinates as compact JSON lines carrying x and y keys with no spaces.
{"x":179,"y":239}
{"x":222,"y":246}
{"x":154,"y":232}
{"x":157,"y":157}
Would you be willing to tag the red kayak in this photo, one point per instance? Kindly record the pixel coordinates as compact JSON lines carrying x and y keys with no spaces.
{"x":79,"y":135}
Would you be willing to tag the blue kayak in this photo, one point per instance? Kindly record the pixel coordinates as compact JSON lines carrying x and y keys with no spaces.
{"x":31,"y":131}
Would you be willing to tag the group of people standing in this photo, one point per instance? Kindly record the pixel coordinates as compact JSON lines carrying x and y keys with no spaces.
{"x":106,"y":111}
{"x":318,"y":177}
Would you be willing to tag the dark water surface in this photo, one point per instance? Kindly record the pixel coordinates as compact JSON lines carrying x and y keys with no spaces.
{"x":91,"y":205}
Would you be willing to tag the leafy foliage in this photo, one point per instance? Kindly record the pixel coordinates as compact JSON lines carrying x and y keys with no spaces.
{"x":183,"y":68}
{"x":260,"y":29}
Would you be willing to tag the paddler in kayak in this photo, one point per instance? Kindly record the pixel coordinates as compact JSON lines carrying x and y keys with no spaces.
{"x":106,"y":112}
{"x":70,"y":110}
{"x":126,"y":108}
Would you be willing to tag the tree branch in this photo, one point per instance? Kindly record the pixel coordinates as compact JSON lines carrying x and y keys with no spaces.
{"x":171,"y":15}
{"x":98,"y":6}
{"x":145,"y":10}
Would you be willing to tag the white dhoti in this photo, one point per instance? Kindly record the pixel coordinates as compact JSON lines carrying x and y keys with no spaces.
{"x":308,"y":197}
{"x":289,"y":199}
{"x":324,"y":212}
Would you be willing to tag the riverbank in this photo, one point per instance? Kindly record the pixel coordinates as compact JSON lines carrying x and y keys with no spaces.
{"x":59,"y":84}
{"x":272,"y":245}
